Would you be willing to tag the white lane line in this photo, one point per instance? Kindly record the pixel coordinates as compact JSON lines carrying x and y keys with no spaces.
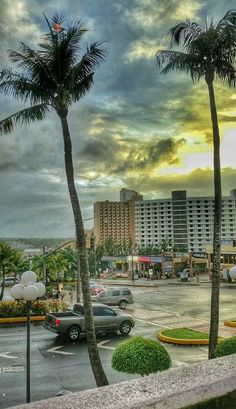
{"x":12,"y":369}
{"x":5,"y":355}
{"x":55,"y":351}
{"x":152,"y":323}
{"x":101,"y":344}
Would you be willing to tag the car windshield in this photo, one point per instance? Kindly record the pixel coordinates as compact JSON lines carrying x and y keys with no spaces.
{"x":103,"y":293}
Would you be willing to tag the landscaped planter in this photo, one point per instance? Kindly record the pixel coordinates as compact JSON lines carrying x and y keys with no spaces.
{"x":230,"y":323}
{"x":16,"y":320}
{"x":183,"y":336}
{"x":14,"y":312}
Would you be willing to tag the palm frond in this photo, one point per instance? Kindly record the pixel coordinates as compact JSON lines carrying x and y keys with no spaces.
{"x":31,"y":61}
{"x":229,"y":18}
{"x":81,"y":87}
{"x":21,"y":87}
{"x":25,"y":116}
{"x":226,"y":72}
{"x":89,"y":62}
{"x":185,"y":31}
{"x":179,"y":62}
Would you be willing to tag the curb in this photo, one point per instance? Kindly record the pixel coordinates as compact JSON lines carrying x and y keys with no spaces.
{"x":21,"y":319}
{"x":230,"y":323}
{"x":180,"y":341}
{"x":129,"y":284}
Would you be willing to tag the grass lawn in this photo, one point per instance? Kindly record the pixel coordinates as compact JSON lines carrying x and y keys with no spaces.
{"x":184,"y":333}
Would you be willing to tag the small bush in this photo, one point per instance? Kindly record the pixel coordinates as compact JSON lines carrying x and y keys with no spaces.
{"x":12,"y":309}
{"x":140,"y":356}
{"x":226,"y":347}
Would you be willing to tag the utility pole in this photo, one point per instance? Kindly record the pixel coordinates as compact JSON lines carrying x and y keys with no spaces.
{"x":44,"y":265}
{"x":95,"y":260}
{"x":132,"y":264}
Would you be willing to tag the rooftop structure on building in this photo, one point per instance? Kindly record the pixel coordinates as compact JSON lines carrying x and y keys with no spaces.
{"x":127,"y":194}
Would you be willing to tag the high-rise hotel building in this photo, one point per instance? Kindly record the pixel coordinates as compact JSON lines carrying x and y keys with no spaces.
{"x":187,"y":222}
{"x":116,"y":219}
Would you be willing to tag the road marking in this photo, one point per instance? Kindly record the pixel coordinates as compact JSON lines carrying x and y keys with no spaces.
{"x":54,"y":350}
{"x":101,"y":344}
{"x":5,"y":355}
{"x":152,"y":323}
{"x":12,"y":369}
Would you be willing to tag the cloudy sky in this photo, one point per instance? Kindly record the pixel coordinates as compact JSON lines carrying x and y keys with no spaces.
{"x":135,"y":129}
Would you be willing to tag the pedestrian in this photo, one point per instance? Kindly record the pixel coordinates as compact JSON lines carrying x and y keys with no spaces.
{"x":62,"y":295}
{"x":55,"y":294}
{"x":71,"y":296}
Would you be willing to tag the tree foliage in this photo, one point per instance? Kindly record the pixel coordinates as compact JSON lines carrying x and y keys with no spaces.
{"x":140,"y":356}
{"x":209,"y":53}
{"x":53,"y":77}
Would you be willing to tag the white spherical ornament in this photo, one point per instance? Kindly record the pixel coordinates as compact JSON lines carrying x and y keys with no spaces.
{"x":28,"y":277}
{"x":41,"y":289}
{"x":17,"y":291}
{"x":232,"y":273}
{"x":30,"y":293}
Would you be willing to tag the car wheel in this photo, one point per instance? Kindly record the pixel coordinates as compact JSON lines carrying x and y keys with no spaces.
{"x":122,"y":305}
{"x":73,"y":333}
{"x":125,"y":328}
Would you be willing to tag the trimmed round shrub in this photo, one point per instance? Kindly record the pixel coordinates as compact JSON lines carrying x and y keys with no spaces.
{"x":140,"y":356}
{"x":226,"y":347}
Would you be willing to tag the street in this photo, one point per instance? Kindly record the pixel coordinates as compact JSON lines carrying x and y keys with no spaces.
{"x":58,"y":365}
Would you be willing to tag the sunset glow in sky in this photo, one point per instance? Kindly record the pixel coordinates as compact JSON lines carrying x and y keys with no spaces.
{"x":135,"y":128}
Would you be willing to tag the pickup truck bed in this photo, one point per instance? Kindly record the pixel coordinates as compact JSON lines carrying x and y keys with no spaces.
{"x":72,"y":323}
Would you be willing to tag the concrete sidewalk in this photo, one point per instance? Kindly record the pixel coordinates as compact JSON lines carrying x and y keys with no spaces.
{"x":143,"y":282}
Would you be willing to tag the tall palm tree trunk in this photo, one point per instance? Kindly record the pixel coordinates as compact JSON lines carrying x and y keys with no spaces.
{"x":215,"y":289}
{"x":95,"y":361}
{"x":3,"y":282}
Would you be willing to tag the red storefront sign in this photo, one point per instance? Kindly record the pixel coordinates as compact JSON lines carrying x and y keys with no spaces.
{"x":144,"y":259}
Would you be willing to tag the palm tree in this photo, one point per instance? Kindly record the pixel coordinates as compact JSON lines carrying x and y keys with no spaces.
{"x":18,"y":263}
{"x":6,"y":255}
{"x":52,"y":78}
{"x":209,"y":53}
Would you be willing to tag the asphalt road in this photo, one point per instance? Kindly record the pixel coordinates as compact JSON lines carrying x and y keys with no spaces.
{"x":58,"y":365}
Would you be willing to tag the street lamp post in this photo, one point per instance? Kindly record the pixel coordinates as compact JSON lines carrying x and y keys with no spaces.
{"x":27,"y":292}
{"x":132,"y":264}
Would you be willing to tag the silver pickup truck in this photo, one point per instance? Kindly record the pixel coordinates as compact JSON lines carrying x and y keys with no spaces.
{"x":72,"y":323}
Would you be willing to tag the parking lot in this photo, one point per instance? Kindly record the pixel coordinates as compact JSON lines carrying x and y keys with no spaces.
{"x":57,"y":365}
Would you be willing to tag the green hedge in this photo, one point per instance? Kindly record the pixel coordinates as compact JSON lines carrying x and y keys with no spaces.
{"x":140,"y":356}
{"x":10,"y":309}
{"x":226,"y":347}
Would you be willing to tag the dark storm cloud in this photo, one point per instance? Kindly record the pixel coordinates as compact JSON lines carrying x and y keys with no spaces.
{"x":143,"y":113}
{"x":147,"y":155}
{"x":114,"y":157}
{"x":197,"y":183}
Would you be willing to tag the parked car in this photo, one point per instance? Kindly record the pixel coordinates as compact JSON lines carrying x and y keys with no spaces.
{"x":72,"y":323}
{"x":115,"y":296}
{"x":10,"y":281}
{"x":96,"y":288}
